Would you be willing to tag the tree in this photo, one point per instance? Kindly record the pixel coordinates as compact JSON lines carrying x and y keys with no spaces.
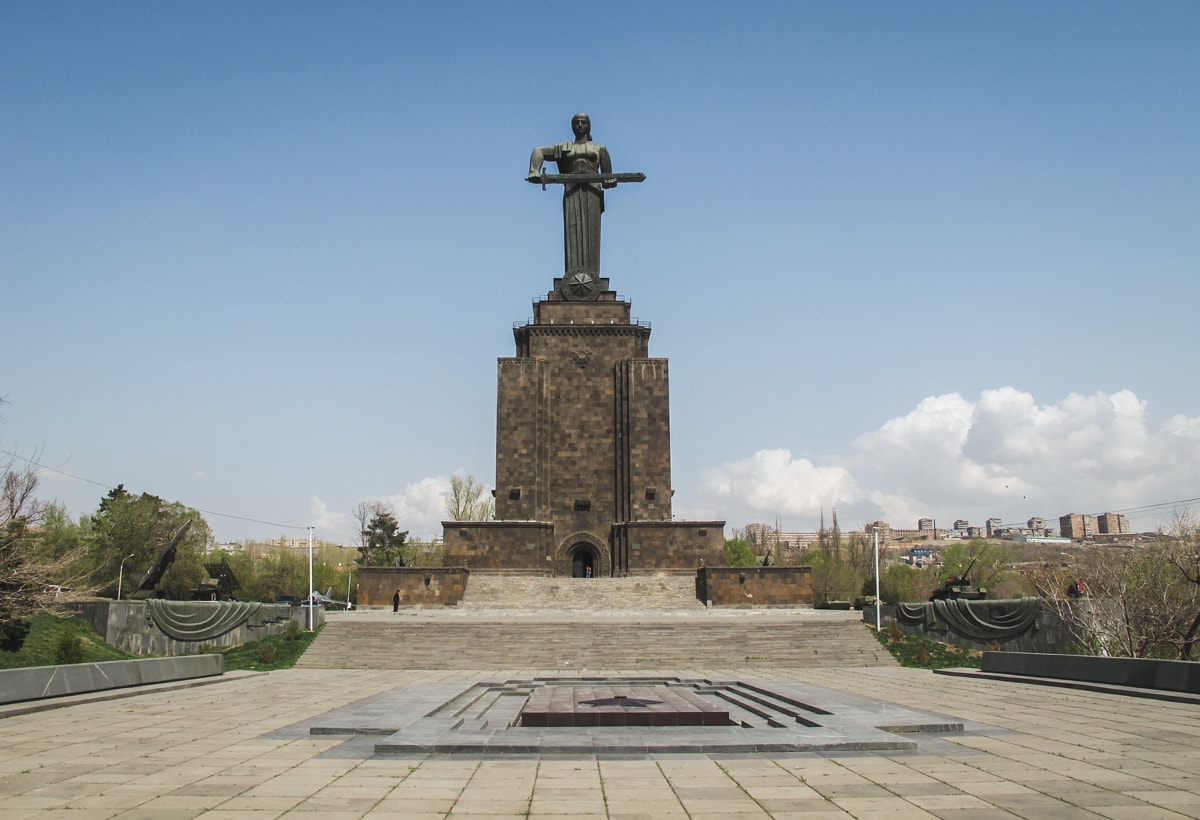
{"x":383,"y":541}
{"x":832,"y":578}
{"x":987,"y":561}
{"x":125,"y":524}
{"x":58,"y":535}
{"x":278,"y":573}
{"x":31,"y":579}
{"x":1183,"y":536}
{"x":1138,"y":604}
{"x":901,"y":583}
{"x":363,"y":512}
{"x":185,"y":574}
{"x":469,"y":500}
{"x":739,"y":553}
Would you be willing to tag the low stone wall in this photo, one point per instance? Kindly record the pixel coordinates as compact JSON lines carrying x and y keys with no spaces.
{"x":1021,"y":624}
{"x":37,"y":682}
{"x":755,"y":586}
{"x":182,"y":627}
{"x":418,"y":586}
{"x":1172,"y":676}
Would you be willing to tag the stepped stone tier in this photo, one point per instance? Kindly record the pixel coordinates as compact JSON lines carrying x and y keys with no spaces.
{"x":589,"y":641}
{"x":583,"y":439}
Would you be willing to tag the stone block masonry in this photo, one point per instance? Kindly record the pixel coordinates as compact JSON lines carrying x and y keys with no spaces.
{"x":418,"y":586}
{"x":583,"y":454}
{"x":748,"y":587}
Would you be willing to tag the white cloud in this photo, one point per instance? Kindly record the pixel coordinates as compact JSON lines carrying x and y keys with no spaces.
{"x":329,"y":525}
{"x":421,"y":506}
{"x":1001,"y":454}
{"x":772,"y":482}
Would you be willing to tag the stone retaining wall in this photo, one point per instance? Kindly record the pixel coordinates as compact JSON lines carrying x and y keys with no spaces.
{"x":1046,"y":633}
{"x":418,"y":586}
{"x":131,"y":626}
{"x":745,"y":587}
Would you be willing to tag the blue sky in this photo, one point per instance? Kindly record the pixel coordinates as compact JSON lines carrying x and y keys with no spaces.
{"x":906,"y":259}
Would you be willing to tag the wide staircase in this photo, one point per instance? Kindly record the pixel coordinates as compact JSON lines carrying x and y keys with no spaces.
{"x":621,"y":624}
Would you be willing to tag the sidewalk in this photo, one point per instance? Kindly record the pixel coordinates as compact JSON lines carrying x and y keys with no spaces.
{"x":233,"y":750}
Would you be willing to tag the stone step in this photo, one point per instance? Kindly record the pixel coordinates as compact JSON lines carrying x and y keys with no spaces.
{"x":692,"y":643}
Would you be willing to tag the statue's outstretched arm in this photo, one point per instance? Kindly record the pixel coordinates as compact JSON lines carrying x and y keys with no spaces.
{"x":539,"y":156}
{"x":606,"y":167}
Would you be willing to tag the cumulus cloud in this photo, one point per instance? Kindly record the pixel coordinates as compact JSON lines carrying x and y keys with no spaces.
{"x":328,"y":524}
{"x":773,"y":480}
{"x":421,"y":506}
{"x":1001,"y":454}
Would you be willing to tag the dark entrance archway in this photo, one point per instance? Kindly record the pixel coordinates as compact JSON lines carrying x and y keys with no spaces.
{"x":584,"y":561}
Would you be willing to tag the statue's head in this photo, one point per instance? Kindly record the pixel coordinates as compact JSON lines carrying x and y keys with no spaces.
{"x":581,"y":125}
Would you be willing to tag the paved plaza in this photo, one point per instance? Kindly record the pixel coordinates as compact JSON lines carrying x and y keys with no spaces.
{"x":241,"y":747}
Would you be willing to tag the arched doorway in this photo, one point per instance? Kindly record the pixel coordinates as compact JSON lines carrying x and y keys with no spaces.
{"x":580,"y":550}
{"x":584,"y":561}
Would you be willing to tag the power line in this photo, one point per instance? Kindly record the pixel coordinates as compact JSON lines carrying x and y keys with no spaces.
{"x":31,"y":461}
{"x":1160,"y":504}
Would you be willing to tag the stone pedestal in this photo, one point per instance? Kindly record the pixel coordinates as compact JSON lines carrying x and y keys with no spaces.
{"x":583,"y":453}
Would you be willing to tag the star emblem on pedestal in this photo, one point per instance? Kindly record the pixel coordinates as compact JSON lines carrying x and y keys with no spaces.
{"x":580,"y":286}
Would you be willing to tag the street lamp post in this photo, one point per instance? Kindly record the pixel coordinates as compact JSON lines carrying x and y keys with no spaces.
{"x":878,"y":616}
{"x":121,"y":574}
{"x":311,"y":602}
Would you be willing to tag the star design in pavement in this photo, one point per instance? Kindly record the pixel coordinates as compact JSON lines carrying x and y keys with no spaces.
{"x":621,"y":700}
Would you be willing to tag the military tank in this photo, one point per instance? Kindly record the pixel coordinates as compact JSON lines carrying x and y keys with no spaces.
{"x":960,"y":587}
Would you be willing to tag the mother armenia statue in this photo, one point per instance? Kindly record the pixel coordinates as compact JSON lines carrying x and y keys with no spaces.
{"x":585,"y":169}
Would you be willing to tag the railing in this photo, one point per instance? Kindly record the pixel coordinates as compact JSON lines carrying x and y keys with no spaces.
{"x":633,"y":322}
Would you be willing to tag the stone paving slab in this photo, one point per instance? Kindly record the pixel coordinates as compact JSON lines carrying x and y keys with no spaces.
{"x":243,"y":749}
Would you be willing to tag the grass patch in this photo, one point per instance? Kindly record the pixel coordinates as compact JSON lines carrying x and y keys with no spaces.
{"x":53,"y":640}
{"x":922,"y":653}
{"x":50,"y":635}
{"x":272,"y":652}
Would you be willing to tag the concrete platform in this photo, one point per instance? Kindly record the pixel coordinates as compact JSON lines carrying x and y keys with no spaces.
{"x":243,"y":748}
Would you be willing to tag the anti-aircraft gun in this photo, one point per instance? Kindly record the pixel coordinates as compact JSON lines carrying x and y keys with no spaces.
{"x":960,"y":586}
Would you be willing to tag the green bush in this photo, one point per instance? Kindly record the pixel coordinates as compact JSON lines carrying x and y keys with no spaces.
{"x":267,"y":653}
{"x":69,"y":649}
{"x":293,"y":630}
{"x":13,"y":634}
{"x":739,"y":553}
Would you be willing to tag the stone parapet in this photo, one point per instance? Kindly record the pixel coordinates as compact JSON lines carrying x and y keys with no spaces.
{"x":498,"y":545}
{"x":755,"y":586}
{"x":418,"y":586}
{"x":38,"y":682}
